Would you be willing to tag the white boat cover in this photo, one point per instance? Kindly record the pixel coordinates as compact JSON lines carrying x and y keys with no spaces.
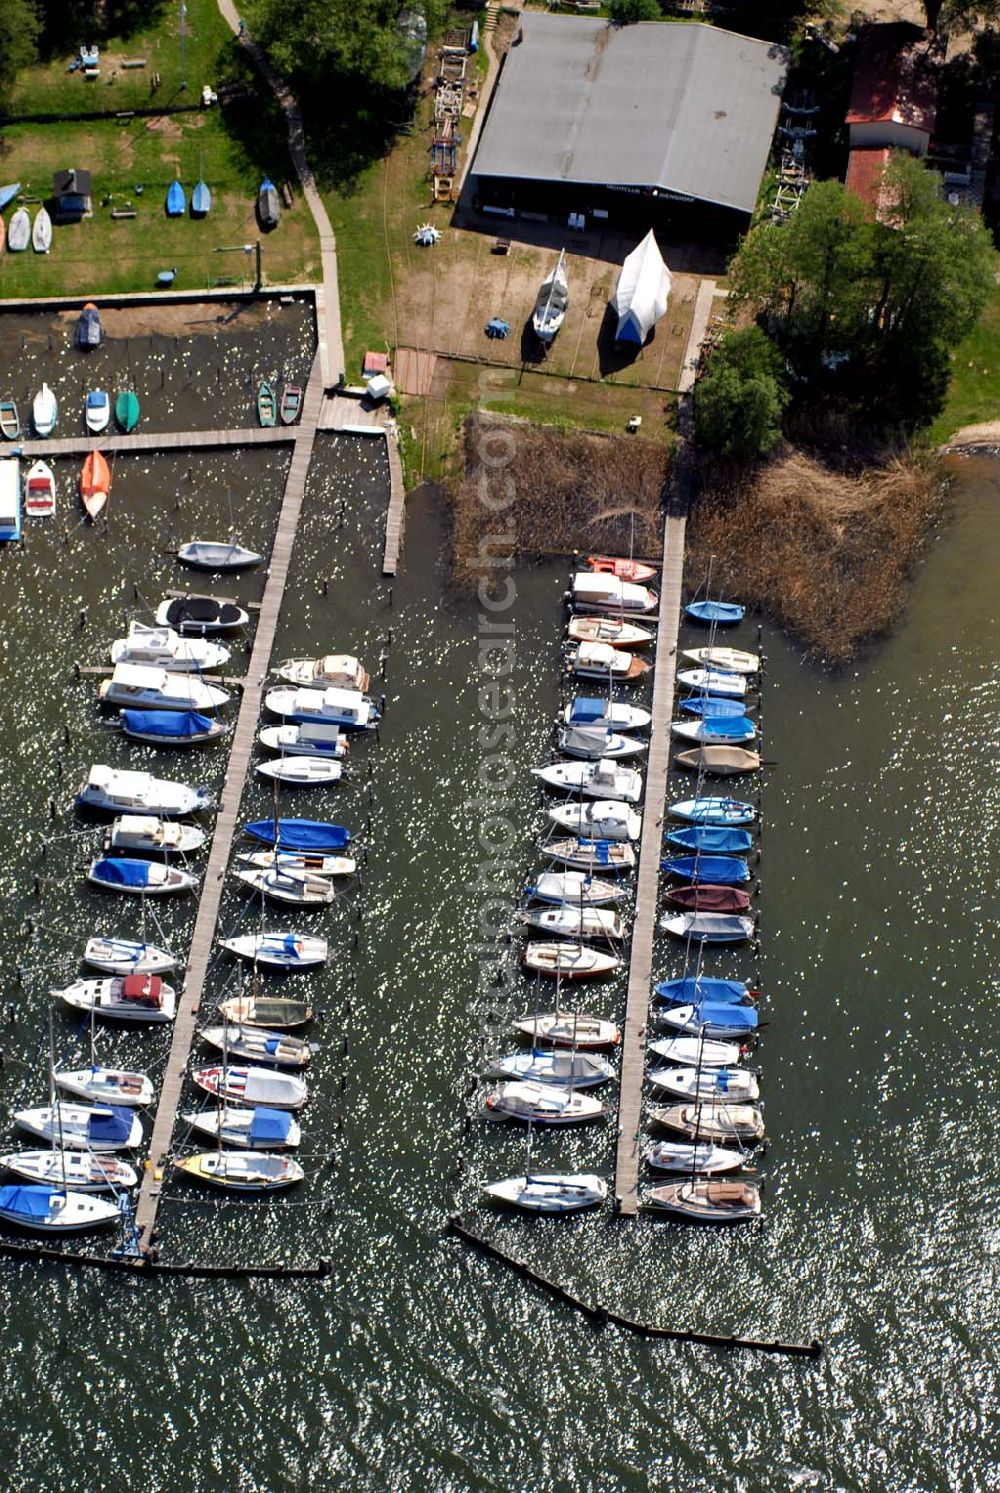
{"x":642,"y":292}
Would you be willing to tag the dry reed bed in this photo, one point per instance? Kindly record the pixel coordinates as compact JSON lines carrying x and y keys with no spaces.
{"x":826,"y":553}
{"x":533,"y":490}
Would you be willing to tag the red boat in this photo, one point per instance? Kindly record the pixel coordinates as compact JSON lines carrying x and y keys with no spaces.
{"x":95,"y":483}
{"x":626,"y":570}
{"x":709,"y":898}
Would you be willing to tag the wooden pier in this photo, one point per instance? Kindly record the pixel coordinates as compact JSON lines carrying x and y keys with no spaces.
{"x":227,"y":820}
{"x":163,"y":440}
{"x":397,"y":506}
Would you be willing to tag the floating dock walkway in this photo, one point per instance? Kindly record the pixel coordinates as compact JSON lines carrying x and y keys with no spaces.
{"x":163,"y":440}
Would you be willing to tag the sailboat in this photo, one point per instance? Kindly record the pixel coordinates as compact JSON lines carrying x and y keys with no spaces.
{"x":549,"y":1192}
{"x":201,"y":197}
{"x":709,"y":1202}
{"x":552,"y":303}
{"x":95,"y":483}
{"x":104,"y":1085}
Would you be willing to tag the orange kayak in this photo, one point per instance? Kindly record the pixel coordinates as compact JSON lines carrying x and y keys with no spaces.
{"x":625,"y":570}
{"x":95,"y":483}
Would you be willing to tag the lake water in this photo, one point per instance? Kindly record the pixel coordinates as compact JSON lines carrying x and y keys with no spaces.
{"x":419,"y":1365}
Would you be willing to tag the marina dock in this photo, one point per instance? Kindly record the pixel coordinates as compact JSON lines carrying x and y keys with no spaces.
{"x":162,"y":440}
{"x":227,"y":820}
{"x":397,"y":508}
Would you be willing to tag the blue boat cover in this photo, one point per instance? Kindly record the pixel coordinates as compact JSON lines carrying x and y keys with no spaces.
{"x":96,"y":398}
{"x":692,"y":990}
{"x":272,"y":1044}
{"x":586,"y":709}
{"x":712,"y":705}
{"x":717,"y":839}
{"x":117,"y":871}
{"x":112,"y":1125}
{"x":732,"y":1018}
{"x":715,"y":611}
{"x":300,"y":834}
{"x":600,"y":849}
{"x":737,"y":726}
{"x":273,"y":1125}
{"x":31,"y":1202}
{"x":711,"y":870}
{"x":177,"y":723}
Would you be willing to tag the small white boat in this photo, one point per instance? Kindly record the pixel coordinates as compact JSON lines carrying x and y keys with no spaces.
{"x":590,"y":855}
{"x":83,"y":1127}
{"x":592,"y":742}
{"x":312,"y":863}
{"x":301,"y":772}
{"x":611,"y":630}
{"x":543,"y":1104}
{"x":54,"y":1210}
{"x":730,"y":731}
{"x":601,"y":779}
{"x":575,"y":922}
{"x":141,"y":687}
{"x":596,"y":591}
{"x":550,"y":1192}
{"x":569,"y":1029}
{"x":82,"y":1170}
{"x":726,"y":660}
{"x":728,"y":1124}
{"x":712,"y":682}
{"x":289,"y":886}
{"x":97,"y":411}
{"x":44,"y":411}
{"x":139,"y":878}
{"x":247,"y":1129}
{"x":138,"y":792}
{"x":552,"y":302}
{"x":146,"y":832}
{"x":276,"y":951}
{"x":576,"y":1070}
{"x":19,"y":231}
{"x":334,"y":670}
{"x":255,"y":1086}
{"x":258,"y":1045}
{"x":693,"y":1158}
{"x":609,"y":715}
{"x":106,"y":1086}
{"x":708,"y":927}
{"x":41,"y":232}
{"x":605,"y":819}
{"x":331,"y":707}
{"x":307,"y":740}
{"x":40,"y":491}
{"x":708,"y":1202}
{"x":602,"y":661}
{"x":136,"y":999}
{"x":200,"y":616}
{"x":241,"y":1171}
{"x":692,"y":1051}
{"x":163,"y":648}
{"x":569,"y":961}
{"x":736,"y":1085}
{"x":210,"y":554}
{"x":574,"y":888}
{"x":127,"y":956}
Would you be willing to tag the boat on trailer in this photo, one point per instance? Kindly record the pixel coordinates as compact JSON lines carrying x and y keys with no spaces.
{"x":552,"y":302}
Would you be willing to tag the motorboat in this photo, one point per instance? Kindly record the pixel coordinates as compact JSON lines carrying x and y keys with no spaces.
{"x":300,"y":771}
{"x":603,"y":819}
{"x":593,"y":742}
{"x":599,"y":592}
{"x":312,"y":835}
{"x":127,"y":956}
{"x":268,"y":205}
{"x":117,"y":791}
{"x":241,"y":1171}
{"x":244,"y":1084}
{"x":573,"y":888}
{"x":347,"y":708}
{"x":728,"y":1124}
{"x":569,"y":961}
{"x":97,"y":411}
{"x":707,"y":1201}
{"x":19,"y":231}
{"x":301,"y":861}
{"x":725,"y":812}
{"x":602,"y":661}
{"x":83,"y":1127}
{"x":569,"y":1029}
{"x":552,"y":302}
{"x":713,"y":682}
{"x":706,"y":1052}
{"x":82,"y":1170}
{"x":217,"y":555}
{"x":98,"y":1085}
{"x":603,"y":779}
{"x":727,"y":660}
{"x":692,"y":1158}
{"x":694,"y":989}
{"x":590,"y":855}
{"x":333,"y":671}
{"x":172,"y":728}
{"x":716,"y":730}
{"x":95,"y":484}
{"x":147,"y":832}
{"x":707,"y":897}
{"x":200,"y":616}
{"x":575,"y":922}
{"x":549,"y":1192}
{"x":543,"y":1104}
{"x":734,"y":1085}
{"x":44,"y":1209}
{"x":577,"y":1070}
{"x":711,"y":839}
{"x":139,"y":878}
{"x":249,"y":1129}
{"x":266,"y":1010}
{"x":164,"y":648}
{"x":719,"y":761}
{"x":613,"y":630}
{"x":300,"y":889}
{"x":143,"y":687}
{"x":715,"y":707}
{"x":715,"y":613}
{"x":89,"y":332}
{"x":311,"y":739}
{"x":719,"y":870}
{"x":725,"y":1020}
{"x":708,"y":927}
{"x":623,"y":568}
{"x":44,"y":411}
{"x":258,"y":1045}
{"x":602,"y":714}
{"x":41,"y":232}
{"x":136,"y":999}
{"x":278,"y":951}
{"x":40,"y":491}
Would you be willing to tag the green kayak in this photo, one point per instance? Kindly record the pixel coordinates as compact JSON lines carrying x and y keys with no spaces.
{"x":127,"y":410}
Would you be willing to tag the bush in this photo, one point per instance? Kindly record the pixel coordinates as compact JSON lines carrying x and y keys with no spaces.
{"x":627,"y":12}
{"x":739,"y":401}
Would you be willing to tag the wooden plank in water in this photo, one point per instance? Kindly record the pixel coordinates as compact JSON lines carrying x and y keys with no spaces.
{"x":397,"y":507}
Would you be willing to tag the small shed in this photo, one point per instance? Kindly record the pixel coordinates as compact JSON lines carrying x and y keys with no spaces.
{"x":895,"y":89}
{"x":71,"y":196}
{"x":642,"y":292}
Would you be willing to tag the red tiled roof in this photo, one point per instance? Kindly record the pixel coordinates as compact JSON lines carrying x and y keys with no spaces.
{"x":895,"y":77}
{"x":864,"y":180}
{"x":375,"y":362}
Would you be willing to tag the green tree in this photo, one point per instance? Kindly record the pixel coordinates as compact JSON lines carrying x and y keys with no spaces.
{"x":627,"y":12}
{"x":332,"y":43}
{"x":739,"y":401}
{"x":19,"y":31}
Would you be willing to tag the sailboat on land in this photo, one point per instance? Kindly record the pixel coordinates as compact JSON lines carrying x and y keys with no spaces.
{"x":552,"y":303}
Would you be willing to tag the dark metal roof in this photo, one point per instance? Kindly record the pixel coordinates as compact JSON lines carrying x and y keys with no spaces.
{"x":685,"y":108}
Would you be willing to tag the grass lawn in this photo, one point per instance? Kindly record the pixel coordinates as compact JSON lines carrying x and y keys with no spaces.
{"x":974,"y":391}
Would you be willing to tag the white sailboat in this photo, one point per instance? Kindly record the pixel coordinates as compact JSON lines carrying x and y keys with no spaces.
{"x":552,"y":303}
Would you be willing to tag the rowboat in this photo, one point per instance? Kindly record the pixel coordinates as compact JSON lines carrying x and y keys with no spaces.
{"x":575,"y":888}
{"x":249,"y":1085}
{"x":172,"y":728}
{"x":708,"y":1052}
{"x":708,"y":927}
{"x":549,"y":1192}
{"x":258,"y":1045}
{"x":115,"y":791}
{"x":10,"y":499}
{"x":275,"y":951}
{"x":723,"y":730}
{"x":725,"y":812}
{"x":602,"y":661}
{"x":569,"y":1029}
{"x":299,"y":834}
{"x":300,"y":889}
{"x":126,"y":956}
{"x":176,"y":201}
{"x":268,"y":206}
{"x":604,"y":819}
{"x":722,"y":1020}
{"x":10,"y":424}
{"x":733,"y":1085}
{"x":268,"y":1010}
{"x":142,"y":686}
{"x":693,"y":989}
{"x":713,"y":682}
{"x":81,"y":1170}
{"x":714,"y":707}
{"x":89,"y":332}
{"x":80,"y":1127}
{"x":602,"y":714}
{"x":712,"y":839}
{"x":97,"y":411}
{"x":266,"y":414}
{"x":731,"y":1124}
{"x":609,"y":630}
{"x":19,"y":231}
{"x":291,"y":404}
{"x":720,"y":870}
{"x":335,"y":670}
{"x":606,"y":593}
{"x":300,"y":860}
{"x":708,"y":1202}
{"x":138,"y":878}
{"x":347,"y":708}
{"x":543,"y":1104}
{"x":720,"y":761}
{"x":717,"y":613}
{"x":241,"y":1171}
{"x":200,"y":616}
{"x":692,"y":1158}
{"x":301,"y":772}
{"x":601,"y":779}
{"x":41,"y":232}
{"x":106,"y":1086}
{"x":700,"y":897}
{"x":569,"y":961}
{"x":54,"y":1210}
{"x":577,"y":1070}
{"x":127,"y":410}
{"x":575,"y":922}
{"x":163,"y":648}
{"x":591,"y":855}
{"x":218,"y":555}
{"x":625,"y":570}
{"x":44,"y":411}
{"x":730,"y":660}
{"x":95,"y":483}
{"x":249,"y":1129}
{"x":40,"y":491}
{"x":310,"y":739}
{"x":147,"y":832}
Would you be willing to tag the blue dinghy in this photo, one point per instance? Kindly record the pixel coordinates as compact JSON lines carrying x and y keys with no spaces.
{"x":8,"y":193}
{"x":726,"y":811}
{"x":300,"y":834}
{"x":694,"y":990}
{"x":723,"y":613}
{"x":713,"y":706}
{"x":712,"y":839}
{"x":171,"y":727}
{"x":710,"y":870}
{"x":176,"y":200}
{"x":201,"y":200}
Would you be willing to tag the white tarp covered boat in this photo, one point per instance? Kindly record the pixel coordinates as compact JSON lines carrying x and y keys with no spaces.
{"x":642,"y":292}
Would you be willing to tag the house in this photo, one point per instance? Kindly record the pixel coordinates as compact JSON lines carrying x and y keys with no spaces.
{"x":71,"y":196}
{"x":895,"y":89}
